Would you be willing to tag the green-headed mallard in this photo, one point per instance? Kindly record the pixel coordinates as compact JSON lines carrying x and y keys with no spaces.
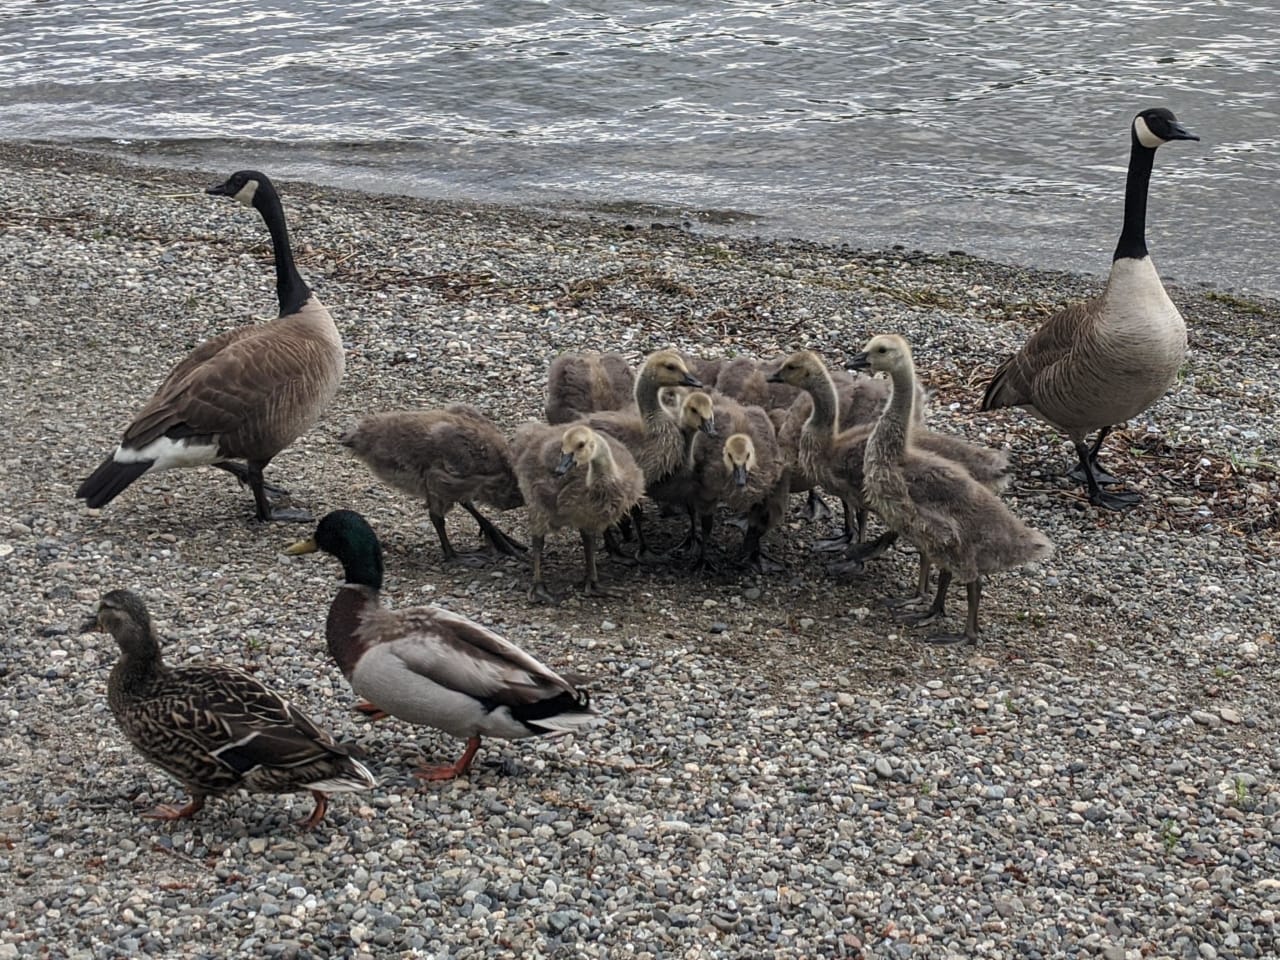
{"x":215,"y":728}
{"x":430,"y":666}
{"x":244,"y":395}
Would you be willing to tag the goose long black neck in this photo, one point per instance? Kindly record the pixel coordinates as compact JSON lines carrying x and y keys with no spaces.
{"x":1133,"y":234}
{"x":290,"y":287}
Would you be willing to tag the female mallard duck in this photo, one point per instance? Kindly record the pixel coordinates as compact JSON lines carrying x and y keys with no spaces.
{"x":215,"y":728}
{"x":244,"y":395}
{"x":430,"y":666}
{"x":446,"y":456}
{"x":1095,"y":364}
{"x":952,"y":519}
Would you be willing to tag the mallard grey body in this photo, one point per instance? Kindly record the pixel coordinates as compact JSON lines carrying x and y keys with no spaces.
{"x":953,"y":520}
{"x":579,"y":384}
{"x":433,"y":667}
{"x":243,"y":395}
{"x":215,"y":728}
{"x":1096,"y":364}
{"x":446,"y":456}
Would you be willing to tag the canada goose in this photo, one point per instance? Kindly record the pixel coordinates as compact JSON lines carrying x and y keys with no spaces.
{"x":1099,"y":363}
{"x":740,"y":467}
{"x":825,"y":454}
{"x":445,"y":456}
{"x":831,"y":455}
{"x":214,"y":728}
{"x":705,"y":369}
{"x":579,"y":384}
{"x":743,"y":379}
{"x":244,"y":395}
{"x":573,"y":477}
{"x":696,"y":414}
{"x":648,"y":432}
{"x":954,"y":521}
{"x":431,"y":666}
{"x":859,"y":401}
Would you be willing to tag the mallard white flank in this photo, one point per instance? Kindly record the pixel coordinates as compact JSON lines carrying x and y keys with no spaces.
{"x":1099,"y":363}
{"x":214,"y":728}
{"x":430,"y":666}
{"x":244,"y":395}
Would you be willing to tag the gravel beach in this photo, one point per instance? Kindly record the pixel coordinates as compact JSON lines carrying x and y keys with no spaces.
{"x":785,"y":771}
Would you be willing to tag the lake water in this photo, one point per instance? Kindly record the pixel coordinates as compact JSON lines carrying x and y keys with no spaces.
{"x":996,"y":127}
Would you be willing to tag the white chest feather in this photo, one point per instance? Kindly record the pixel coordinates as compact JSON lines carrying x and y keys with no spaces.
{"x":1138,"y":316}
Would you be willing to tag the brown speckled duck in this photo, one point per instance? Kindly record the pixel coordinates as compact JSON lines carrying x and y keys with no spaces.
{"x":215,"y":728}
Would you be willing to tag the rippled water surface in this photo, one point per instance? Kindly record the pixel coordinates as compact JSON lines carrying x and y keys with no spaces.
{"x":997,"y":127}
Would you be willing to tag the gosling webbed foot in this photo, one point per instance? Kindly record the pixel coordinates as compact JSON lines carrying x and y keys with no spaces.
{"x":837,"y":544}
{"x":952,"y":639}
{"x":815,"y":508}
{"x":592,"y":588}
{"x":538,"y":593}
{"x":849,"y":566}
{"x":872,"y":548}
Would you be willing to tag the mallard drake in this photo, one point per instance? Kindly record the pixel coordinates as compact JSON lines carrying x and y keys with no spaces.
{"x":244,"y":395}
{"x":1095,"y":364}
{"x":430,"y":666}
{"x":450,"y":455}
{"x":215,"y":728}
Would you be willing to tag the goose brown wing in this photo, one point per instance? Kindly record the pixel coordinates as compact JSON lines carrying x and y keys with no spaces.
{"x":1017,"y":379}
{"x":247,"y":375}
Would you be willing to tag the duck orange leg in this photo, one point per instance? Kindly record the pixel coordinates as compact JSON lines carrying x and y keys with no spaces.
{"x":169,"y":812}
{"x":371,"y":710}
{"x":322,"y":805}
{"x":450,"y":771}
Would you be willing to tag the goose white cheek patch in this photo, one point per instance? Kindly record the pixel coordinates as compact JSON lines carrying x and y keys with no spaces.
{"x":1145,"y":136}
{"x":245,"y":193}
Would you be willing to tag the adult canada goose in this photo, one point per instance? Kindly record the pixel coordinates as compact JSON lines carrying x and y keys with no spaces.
{"x":579,"y":384}
{"x":573,"y":477}
{"x":1099,"y":363}
{"x":214,"y":728}
{"x":244,"y":395}
{"x":954,"y":521}
{"x":451,"y":455}
{"x":430,"y":666}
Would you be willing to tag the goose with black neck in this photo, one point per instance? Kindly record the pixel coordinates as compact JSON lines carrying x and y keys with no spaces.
{"x":1096,"y":364}
{"x":244,"y":395}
